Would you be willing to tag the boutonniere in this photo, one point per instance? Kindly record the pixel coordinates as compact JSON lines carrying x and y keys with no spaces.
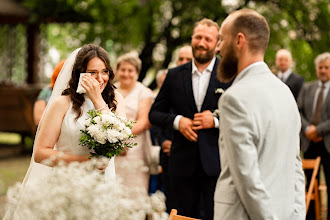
{"x":219,"y":90}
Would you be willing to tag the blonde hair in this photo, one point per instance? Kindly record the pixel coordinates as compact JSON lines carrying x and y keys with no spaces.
{"x":130,"y":58}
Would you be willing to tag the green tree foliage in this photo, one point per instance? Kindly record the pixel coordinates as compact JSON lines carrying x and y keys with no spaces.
{"x":155,"y":28}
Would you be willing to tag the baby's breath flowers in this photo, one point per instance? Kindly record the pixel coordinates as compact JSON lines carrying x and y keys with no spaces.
{"x":78,"y":191}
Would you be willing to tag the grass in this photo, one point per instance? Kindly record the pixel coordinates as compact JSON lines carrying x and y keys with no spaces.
{"x":10,"y":138}
{"x":12,"y":170}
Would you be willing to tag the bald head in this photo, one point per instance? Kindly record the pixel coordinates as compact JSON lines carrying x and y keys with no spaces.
{"x":283,"y":60}
{"x":185,"y":55}
{"x":254,"y":27}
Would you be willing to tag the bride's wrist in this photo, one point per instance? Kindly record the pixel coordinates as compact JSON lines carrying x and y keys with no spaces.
{"x":100,"y":105}
{"x":103,"y":108}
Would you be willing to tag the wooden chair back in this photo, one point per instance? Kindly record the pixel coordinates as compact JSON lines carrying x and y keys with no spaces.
{"x":313,"y":189}
{"x":174,"y":216}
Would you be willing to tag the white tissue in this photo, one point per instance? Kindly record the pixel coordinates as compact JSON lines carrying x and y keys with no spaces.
{"x":81,"y":89}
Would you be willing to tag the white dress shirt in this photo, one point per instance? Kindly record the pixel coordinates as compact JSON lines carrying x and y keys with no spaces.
{"x":200,"y":83}
{"x":284,"y":76}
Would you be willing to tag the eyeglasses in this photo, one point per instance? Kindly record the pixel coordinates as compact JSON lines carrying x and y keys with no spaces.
{"x":103,"y":73}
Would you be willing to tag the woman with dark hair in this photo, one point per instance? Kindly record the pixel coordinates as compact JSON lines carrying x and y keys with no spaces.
{"x":70,"y":109}
{"x":58,"y":133}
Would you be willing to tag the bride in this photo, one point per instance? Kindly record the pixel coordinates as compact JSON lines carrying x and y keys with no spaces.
{"x":59,"y":129}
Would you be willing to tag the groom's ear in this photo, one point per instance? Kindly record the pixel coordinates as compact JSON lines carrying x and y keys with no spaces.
{"x":240,"y":41}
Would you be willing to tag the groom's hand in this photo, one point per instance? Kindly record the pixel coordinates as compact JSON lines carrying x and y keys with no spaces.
{"x":203,"y":120}
{"x":185,"y":127}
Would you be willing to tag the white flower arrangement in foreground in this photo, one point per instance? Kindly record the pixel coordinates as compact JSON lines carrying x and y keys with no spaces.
{"x":78,"y":191}
{"x":107,"y":133}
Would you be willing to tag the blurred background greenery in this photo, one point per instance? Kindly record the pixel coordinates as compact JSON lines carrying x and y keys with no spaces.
{"x":155,"y":29}
{"x":152,"y":28}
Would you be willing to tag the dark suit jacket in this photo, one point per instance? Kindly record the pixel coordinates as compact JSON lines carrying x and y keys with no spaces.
{"x":176,"y":95}
{"x":160,"y":136}
{"x":305,"y":105}
{"x":295,"y":83}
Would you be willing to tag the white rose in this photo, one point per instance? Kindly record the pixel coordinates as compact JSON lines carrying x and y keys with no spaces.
{"x":93,"y":130}
{"x":127,"y":131}
{"x":107,"y":119}
{"x":111,"y":136}
{"x":101,"y":137}
{"x":97,"y":119}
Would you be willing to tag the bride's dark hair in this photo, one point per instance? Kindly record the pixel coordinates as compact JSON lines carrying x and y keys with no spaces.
{"x":85,"y":54}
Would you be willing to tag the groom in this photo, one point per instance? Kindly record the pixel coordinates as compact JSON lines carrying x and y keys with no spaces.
{"x":183,"y":104}
{"x":262,"y":176}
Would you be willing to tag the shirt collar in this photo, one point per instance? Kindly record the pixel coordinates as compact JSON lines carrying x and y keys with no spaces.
{"x":240,"y":75}
{"x":209,"y":68}
{"x":326,"y":85}
{"x":286,"y":74}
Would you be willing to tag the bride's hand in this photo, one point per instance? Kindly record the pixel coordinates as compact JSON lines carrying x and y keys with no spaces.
{"x":92,"y":87}
{"x":124,"y":152}
{"x":102,"y":163}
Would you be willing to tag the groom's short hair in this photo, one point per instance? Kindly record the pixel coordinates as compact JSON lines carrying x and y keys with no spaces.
{"x":254,"y":27}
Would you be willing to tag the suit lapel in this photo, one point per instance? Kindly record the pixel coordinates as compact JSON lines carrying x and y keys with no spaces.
{"x":210,"y":94}
{"x":311,"y":98}
{"x":289,"y":79}
{"x":325,"y":104}
{"x":187,"y":80}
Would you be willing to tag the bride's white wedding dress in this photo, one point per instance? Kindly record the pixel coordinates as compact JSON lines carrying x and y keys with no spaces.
{"x":68,"y":143}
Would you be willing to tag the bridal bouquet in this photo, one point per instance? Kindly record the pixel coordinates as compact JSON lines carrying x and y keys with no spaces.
{"x":107,"y":133}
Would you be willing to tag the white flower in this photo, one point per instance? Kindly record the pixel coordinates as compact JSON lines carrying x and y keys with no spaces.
{"x":88,"y":122}
{"x":108,"y":119}
{"x":107,"y":131}
{"x":97,"y":119}
{"x":93,"y":130}
{"x":112,"y":136}
{"x":101,"y":137}
{"x":219,"y":90}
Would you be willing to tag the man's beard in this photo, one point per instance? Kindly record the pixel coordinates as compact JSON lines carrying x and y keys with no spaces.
{"x":228,"y":66}
{"x":203,"y":58}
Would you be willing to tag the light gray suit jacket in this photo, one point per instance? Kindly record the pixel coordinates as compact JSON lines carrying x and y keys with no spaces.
{"x":261,"y":176}
{"x":305,"y":105}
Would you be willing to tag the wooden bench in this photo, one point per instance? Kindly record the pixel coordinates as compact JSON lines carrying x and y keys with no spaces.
{"x":16,"y":109}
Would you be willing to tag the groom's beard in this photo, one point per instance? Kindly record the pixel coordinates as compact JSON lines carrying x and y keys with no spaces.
{"x":227,"y":68}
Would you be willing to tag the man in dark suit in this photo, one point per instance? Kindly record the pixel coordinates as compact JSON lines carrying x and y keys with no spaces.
{"x":314,"y":107}
{"x":184,"y":103}
{"x":163,"y":137}
{"x":294,"y":81}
